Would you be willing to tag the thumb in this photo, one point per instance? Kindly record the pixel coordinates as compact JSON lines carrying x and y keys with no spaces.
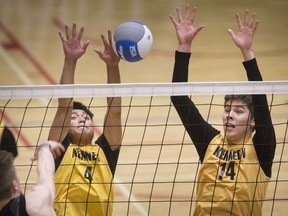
{"x":231,"y":33}
{"x":98,"y":51}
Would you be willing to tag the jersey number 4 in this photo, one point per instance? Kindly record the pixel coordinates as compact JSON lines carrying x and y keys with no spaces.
{"x":227,"y":169}
{"x":88,"y":174}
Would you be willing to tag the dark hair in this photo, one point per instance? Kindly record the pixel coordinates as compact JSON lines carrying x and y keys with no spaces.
{"x":8,"y":174}
{"x":79,"y":105}
{"x":247,"y":99}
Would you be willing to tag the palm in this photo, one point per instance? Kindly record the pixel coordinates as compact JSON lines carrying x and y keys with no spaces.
{"x":244,"y":38}
{"x":109,"y":55}
{"x":185,"y":31}
{"x":184,"y":26}
{"x":71,"y":45}
{"x":73,"y":49}
{"x":247,"y":28}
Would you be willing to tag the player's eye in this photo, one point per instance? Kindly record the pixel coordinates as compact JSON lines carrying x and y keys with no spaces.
{"x":227,"y":109}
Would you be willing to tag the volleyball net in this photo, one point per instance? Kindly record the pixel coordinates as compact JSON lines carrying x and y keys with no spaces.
{"x":158,"y":164}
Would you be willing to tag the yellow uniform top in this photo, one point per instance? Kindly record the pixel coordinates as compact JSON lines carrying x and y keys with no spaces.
{"x":230,"y":180}
{"x":83,"y":183}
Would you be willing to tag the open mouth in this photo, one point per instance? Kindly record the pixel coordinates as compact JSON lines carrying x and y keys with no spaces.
{"x":229,"y":125}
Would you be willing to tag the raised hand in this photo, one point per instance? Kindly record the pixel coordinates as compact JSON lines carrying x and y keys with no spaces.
{"x":108,"y":55}
{"x":55,"y":148}
{"x":185,"y":30}
{"x":243,"y":39}
{"x":72,"y":44}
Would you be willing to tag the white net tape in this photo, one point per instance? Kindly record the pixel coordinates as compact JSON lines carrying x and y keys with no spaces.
{"x":143,"y":89}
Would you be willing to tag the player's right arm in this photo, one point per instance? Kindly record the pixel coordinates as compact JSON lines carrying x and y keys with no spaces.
{"x":72,"y":51}
{"x":198,"y":129}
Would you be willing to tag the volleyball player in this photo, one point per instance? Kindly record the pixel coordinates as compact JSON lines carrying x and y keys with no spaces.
{"x":236,"y":164}
{"x":7,"y":140}
{"x":84,"y":177}
{"x":39,"y":200}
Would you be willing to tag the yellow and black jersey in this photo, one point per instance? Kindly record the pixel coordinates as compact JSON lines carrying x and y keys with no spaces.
{"x":84,"y":182}
{"x":230,"y":180}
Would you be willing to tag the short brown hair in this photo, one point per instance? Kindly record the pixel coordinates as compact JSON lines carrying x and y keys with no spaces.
{"x":8,"y":174}
{"x":79,"y":105}
{"x":247,"y":99}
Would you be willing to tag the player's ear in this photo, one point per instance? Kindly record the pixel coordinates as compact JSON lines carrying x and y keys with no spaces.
{"x":252,"y":123}
{"x":15,"y":185}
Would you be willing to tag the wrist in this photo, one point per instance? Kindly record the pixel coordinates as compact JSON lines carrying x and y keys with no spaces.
{"x":184,"y":48}
{"x":70,"y":60}
{"x":44,"y":145}
{"x":247,"y":54}
{"x":113,"y":63}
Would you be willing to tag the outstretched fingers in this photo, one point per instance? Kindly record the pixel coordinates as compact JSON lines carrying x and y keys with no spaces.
{"x":105,"y":42}
{"x":61,"y":37}
{"x":190,"y":15}
{"x":246,"y":19}
{"x":173,"y":20}
{"x":67,"y":32}
{"x":253,"y":24}
{"x":239,"y":21}
{"x":179,"y":15}
{"x":193,"y":14}
{"x":79,"y":36}
{"x":85,"y":45}
{"x":74,"y":30}
{"x":110,"y":36}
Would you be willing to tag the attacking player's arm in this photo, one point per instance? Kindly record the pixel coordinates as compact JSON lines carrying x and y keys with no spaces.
{"x":72,"y":51}
{"x":39,"y":201}
{"x":112,"y":120}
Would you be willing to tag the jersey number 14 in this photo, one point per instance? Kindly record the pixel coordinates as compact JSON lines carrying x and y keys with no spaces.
{"x":227,"y":169}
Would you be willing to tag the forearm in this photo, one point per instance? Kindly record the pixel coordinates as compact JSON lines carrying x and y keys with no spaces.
{"x":264,"y":139}
{"x":67,"y":77}
{"x":112,"y":122}
{"x":45,"y":165}
{"x":113,"y":73}
{"x":180,"y":72}
{"x":113,"y":76}
{"x":252,"y":70}
{"x":68,"y":71}
{"x":39,"y":201}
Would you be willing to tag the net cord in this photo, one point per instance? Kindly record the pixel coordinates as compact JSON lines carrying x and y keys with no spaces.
{"x":143,"y":89}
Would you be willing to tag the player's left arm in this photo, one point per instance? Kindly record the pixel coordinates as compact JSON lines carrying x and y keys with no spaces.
{"x":264,"y":139}
{"x":112,"y":120}
{"x":39,"y":201}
